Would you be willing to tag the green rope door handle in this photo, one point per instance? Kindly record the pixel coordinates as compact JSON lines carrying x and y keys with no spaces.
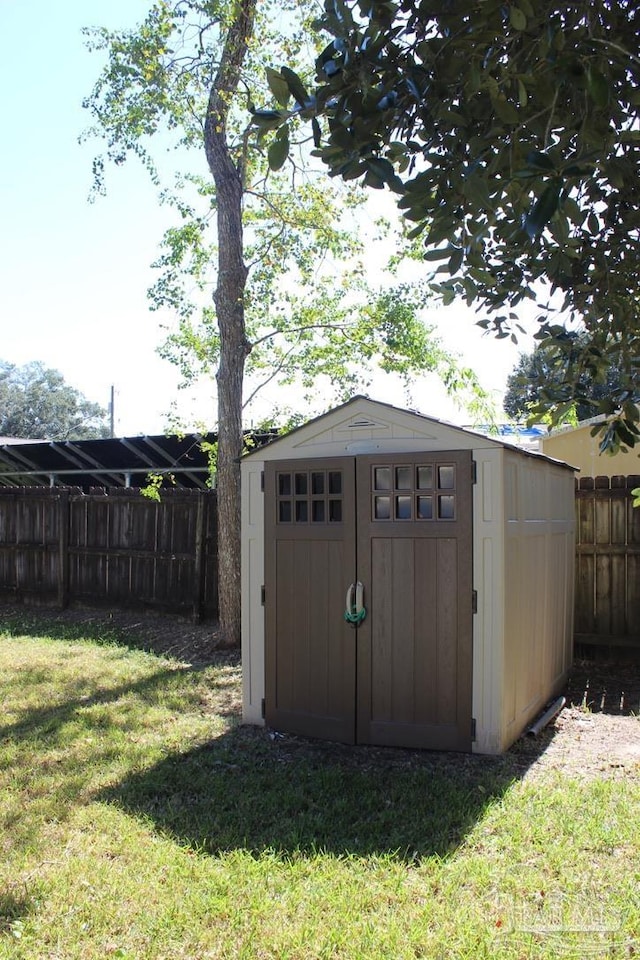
{"x":355,"y":610}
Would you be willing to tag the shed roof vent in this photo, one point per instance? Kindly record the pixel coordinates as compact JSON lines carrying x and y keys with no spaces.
{"x":362,"y":423}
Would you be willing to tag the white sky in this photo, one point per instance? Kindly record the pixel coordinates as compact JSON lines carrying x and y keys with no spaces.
{"x":75,"y":274}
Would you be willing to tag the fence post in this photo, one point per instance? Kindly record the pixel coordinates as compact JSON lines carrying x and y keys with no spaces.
{"x":63,"y":557}
{"x":198,"y":567}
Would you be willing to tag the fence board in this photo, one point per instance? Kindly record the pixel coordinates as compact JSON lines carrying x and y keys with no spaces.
{"x":607,"y":611}
{"x":119,"y":548}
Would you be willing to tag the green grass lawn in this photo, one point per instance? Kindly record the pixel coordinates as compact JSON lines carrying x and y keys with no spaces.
{"x":138,"y":819}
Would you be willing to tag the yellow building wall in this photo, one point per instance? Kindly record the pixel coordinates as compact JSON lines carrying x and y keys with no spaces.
{"x":577,"y":447}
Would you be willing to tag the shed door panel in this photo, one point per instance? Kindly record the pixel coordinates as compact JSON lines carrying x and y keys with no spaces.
{"x":309,"y":564}
{"x":404,"y":676}
{"x":415,"y":558}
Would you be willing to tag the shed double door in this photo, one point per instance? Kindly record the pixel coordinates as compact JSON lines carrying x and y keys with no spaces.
{"x":401,"y":526}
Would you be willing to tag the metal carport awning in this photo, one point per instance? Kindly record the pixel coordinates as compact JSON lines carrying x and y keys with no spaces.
{"x":120,"y":462}
{"x":113,"y":462}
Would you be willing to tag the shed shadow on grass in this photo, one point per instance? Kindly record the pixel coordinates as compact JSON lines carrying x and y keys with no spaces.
{"x":295,"y":797}
{"x":165,"y":635}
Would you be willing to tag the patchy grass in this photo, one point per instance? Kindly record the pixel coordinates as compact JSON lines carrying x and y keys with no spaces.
{"x":139,"y":820}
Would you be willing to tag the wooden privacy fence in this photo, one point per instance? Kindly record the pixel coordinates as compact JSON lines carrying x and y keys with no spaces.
{"x":116,"y":547}
{"x":607,"y":608}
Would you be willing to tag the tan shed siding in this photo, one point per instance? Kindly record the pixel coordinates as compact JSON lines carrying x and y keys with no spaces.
{"x":538,"y":588}
{"x":252,"y":579}
{"x":488,"y":628}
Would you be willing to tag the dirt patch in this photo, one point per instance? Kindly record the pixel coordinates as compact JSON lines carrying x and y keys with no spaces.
{"x":583,"y":744}
{"x":596,"y":735}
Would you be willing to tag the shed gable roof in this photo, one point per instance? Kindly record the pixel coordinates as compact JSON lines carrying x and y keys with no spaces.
{"x":363,"y":425}
{"x":357,"y":425}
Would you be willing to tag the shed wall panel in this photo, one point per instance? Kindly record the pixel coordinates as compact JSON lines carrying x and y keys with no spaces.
{"x":252,"y":581}
{"x":488,"y":573}
{"x":539,"y":550}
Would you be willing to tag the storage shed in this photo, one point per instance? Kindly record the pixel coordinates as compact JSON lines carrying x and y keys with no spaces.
{"x":405,"y":582}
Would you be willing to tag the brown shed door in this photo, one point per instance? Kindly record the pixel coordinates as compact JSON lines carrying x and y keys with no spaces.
{"x":403,"y":676}
{"x":310,"y":560}
{"x":415,"y":557}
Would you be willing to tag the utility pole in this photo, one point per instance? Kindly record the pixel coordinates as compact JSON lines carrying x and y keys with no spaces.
{"x":112,"y":413}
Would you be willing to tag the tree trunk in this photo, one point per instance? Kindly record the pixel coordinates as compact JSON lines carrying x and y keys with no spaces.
{"x":229,"y":303}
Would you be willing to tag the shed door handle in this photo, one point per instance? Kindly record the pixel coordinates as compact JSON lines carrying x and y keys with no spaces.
{"x":355,"y":611}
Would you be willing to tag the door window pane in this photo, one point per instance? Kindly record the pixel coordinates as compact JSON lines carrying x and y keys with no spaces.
{"x":425,"y":478}
{"x":446,"y":508}
{"x":425,"y":508}
{"x":301,"y":484}
{"x":403,"y":478}
{"x":382,"y":478}
{"x":335,"y":481}
{"x":284,"y":511}
{"x":382,"y":508}
{"x":335,"y":511}
{"x":317,"y":483}
{"x":284,"y":484}
{"x":317,"y":511}
{"x":403,"y":508}
{"x":302,"y":511}
{"x":446,"y":478}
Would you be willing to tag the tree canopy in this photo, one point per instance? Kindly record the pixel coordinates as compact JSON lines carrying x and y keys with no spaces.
{"x":544,"y":369}
{"x":509,"y":132}
{"x":37,"y":404}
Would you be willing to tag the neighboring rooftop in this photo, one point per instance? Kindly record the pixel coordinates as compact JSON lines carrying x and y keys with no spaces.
{"x":515,"y":434}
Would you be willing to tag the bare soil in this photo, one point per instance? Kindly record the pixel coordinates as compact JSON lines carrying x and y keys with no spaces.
{"x":596,"y":735}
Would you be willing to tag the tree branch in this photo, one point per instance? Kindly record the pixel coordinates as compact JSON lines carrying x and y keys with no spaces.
{"x":618,"y":49}
{"x":344,"y":327}
{"x":277,"y":370}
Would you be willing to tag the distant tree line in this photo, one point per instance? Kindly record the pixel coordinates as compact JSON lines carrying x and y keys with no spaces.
{"x":37,"y":404}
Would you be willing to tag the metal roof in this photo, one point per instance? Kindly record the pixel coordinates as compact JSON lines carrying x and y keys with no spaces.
{"x":117,"y":462}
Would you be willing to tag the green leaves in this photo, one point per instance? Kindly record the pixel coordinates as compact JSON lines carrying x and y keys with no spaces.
{"x":295,"y":86}
{"x":379,"y":173}
{"x":505,"y":110}
{"x":543,"y":210}
{"x":517,"y":18}
{"x":279,"y":149}
{"x":538,"y":161}
{"x":598,"y":87}
{"x":278,"y":86}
